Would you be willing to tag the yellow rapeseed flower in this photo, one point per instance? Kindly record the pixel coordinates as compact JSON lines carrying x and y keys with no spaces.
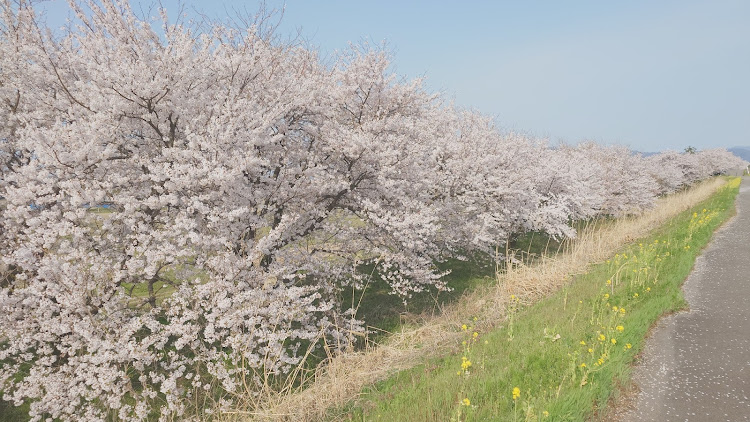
{"x":602,"y":337}
{"x":464,"y":327}
{"x":516,"y":393}
{"x":613,"y":341}
{"x":620,"y":328}
{"x":475,"y":335}
{"x":466,"y":402}
{"x":622,"y":311}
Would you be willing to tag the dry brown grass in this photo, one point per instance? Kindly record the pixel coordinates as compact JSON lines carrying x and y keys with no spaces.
{"x":342,"y":379}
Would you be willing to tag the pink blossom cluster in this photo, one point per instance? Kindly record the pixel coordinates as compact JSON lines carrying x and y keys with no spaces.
{"x":183,"y":203}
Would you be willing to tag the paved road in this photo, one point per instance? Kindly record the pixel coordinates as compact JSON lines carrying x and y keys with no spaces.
{"x":696,"y":365}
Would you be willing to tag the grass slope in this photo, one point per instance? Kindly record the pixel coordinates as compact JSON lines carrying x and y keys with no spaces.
{"x":562,"y":358}
{"x":384,"y":312}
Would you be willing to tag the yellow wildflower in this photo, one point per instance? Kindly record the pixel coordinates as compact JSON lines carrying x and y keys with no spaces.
{"x":622,"y":311}
{"x":609,"y":282}
{"x":464,"y":327}
{"x":613,"y":341}
{"x":628,"y":345}
{"x":591,"y":350}
{"x":606,"y":295}
{"x":466,"y":402}
{"x":583,"y":343}
{"x":516,"y":393}
{"x":546,"y":414}
{"x":583,"y":365}
{"x":635,"y":295}
{"x":602,"y":337}
{"x":620,"y":328}
{"x":475,"y":335}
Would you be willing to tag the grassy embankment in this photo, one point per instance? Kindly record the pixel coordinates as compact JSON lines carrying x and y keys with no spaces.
{"x":565,"y":356}
{"x":419,"y":337}
{"x":387,"y":312}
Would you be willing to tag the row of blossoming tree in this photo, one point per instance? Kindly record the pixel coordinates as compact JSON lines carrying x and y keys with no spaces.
{"x":245,"y":182}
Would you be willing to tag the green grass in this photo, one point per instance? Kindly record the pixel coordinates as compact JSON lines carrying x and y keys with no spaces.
{"x":384,"y":312}
{"x":539,"y":350}
{"x":10,"y":413}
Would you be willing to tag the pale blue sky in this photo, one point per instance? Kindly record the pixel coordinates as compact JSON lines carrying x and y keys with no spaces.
{"x":649,"y":74}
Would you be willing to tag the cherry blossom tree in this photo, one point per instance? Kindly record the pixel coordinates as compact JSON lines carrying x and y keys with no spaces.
{"x":673,"y":170}
{"x":184,"y":203}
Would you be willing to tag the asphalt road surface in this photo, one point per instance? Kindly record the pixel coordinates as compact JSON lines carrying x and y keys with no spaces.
{"x":696,"y":364}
